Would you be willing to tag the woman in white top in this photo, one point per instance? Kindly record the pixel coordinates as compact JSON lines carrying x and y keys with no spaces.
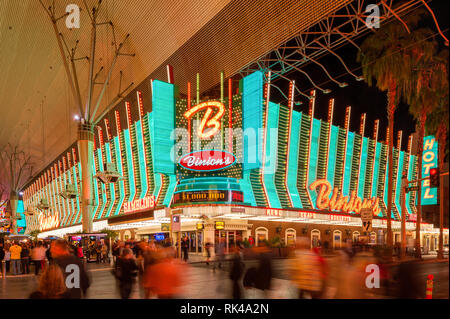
{"x":7,"y":258}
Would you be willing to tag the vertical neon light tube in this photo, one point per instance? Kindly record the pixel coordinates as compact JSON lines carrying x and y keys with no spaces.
{"x":266,"y":116}
{"x":291,"y":108}
{"x":348,"y":111}
{"x":129,"y":153}
{"x":188,"y":108}
{"x":120,"y":167}
{"x":396,"y":195}
{"x":375,"y":137}
{"x":222,"y":128}
{"x":230,"y":114}
{"x":141,"y":147}
{"x":330,"y":123}
{"x":362,"y":126}
{"x":312,"y":105}
{"x":197,"y":116}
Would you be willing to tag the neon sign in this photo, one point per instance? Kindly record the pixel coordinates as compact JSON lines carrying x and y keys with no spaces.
{"x":429,"y":160}
{"x":338,"y":202}
{"x":212,"y":123}
{"x":207,"y":160}
{"x":48,"y":222}
{"x":139,"y":204}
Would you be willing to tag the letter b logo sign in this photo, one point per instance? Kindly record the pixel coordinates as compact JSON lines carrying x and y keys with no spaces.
{"x":73,"y":17}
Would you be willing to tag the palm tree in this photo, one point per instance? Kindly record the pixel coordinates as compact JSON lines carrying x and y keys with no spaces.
{"x":428,"y":100}
{"x":387,"y":61}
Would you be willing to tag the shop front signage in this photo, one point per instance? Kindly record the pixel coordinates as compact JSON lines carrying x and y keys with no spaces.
{"x":138,"y":205}
{"x":306,"y":215}
{"x":165,"y":227}
{"x":175,"y":222}
{"x":48,"y":221}
{"x":341,"y":203}
{"x":207,"y":160}
{"x":209,"y":196}
{"x":274,"y":212}
{"x":220,"y":225}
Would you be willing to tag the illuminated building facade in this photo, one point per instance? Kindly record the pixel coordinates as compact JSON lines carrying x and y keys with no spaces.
{"x":239,"y":158}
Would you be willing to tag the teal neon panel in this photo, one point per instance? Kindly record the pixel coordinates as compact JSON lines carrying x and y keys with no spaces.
{"x":129,"y":165}
{"x":246,"y":188}
{"x":332,"y":153}
{"x":271,"y":155}
{"x":386,"y":189}
{"x":363,"y":167}
{"x":75,"y":180}
{"x":163,"y":106}
{"x":158,"y":185}
{"x":376,"y":169}
{"x":170,"y":190}
{"x":293,"y":160}
{"x":410,"y":178}
{"x":112,"y":187}
{"x":103,"y":187}
{"x":313,"y":156}
{"x":399,"y":181}
{"x":96,"y":197}
{"x":348,"y":164}
{"x":430,"y":157}
{"x":252,"y":115}
{"x":119,"y":169}
{"x":141,"y":156}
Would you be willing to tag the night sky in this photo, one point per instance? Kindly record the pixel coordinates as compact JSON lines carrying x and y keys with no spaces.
{"x":358,"y":94}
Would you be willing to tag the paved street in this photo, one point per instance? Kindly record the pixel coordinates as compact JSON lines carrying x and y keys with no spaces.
{"x":202,"y":281}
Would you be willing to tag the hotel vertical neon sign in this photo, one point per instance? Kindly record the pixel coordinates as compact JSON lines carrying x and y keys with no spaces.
{"x":429,"y":160}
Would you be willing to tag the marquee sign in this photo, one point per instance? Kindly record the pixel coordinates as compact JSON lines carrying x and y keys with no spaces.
{"x":139,"y":204}
{"x":341,"y":203}
{"x":209,"y":196}
{"x":207,"y":160}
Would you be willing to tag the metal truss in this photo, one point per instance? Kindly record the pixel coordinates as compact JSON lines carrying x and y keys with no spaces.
{"x":325,"y":37}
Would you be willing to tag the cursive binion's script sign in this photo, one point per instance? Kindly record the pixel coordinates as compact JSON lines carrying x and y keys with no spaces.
{"x":48,"y":221}
{"x":210,"y":160}
{"x":338,"y":202}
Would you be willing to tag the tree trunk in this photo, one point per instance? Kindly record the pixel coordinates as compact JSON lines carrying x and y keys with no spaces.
{"x":391,"y":109}
{"x":422,"y":119}
{"x":442,"y":138}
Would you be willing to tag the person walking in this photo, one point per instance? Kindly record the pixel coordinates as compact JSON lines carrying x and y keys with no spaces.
{"x":185,"y":249}
{"x":264,"y":270}
{"x":237,"y":267}
{"x":15,"y":258}
{"x":2,"y":256}
{"x":104,"y":253}
{"x":7,"y":258}
{"x":25,"y":258}
{"x":126,"y":272}
{"x":38,"y":257}
{"x":69,"y":264}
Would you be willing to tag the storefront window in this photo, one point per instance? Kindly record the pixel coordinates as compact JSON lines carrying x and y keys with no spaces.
{"x":337,"y":239}
{"x":262,"y":234}
{"x":315,"y":238}
{"x":290,"y":237}
{"x":355,"y":236}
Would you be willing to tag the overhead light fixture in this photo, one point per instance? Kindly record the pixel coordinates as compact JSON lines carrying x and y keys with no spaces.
{"x":76,"y":117}
{"x":343,"y":85}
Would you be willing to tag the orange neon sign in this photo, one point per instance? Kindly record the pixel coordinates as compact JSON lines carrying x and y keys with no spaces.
{"x":213,"y":123}
{"x":339,"y":202}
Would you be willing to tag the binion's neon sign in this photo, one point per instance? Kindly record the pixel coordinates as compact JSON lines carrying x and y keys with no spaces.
{"x":213,"y":123}
{"x":338,"y":202}
{"x":48,"y":222}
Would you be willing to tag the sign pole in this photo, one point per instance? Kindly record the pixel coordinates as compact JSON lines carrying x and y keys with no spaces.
{"x":403,"y":208}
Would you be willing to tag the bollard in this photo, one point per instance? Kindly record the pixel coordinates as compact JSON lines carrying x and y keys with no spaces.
{"x":4,"y":269}
{"x":429,"y":293}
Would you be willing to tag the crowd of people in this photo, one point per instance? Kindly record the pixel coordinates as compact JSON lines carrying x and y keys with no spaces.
{"x":154,"y":269}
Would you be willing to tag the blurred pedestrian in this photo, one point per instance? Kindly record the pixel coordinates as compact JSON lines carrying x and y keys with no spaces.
{"x":220,"y":253}
{"x":51,"y":285}
{"x":126,"y":273}
{"x":7,"y":258}
{"x":25,"y":258}
{"x":305,"y":270}
{"x":104,"y":253}
{"x":264,"y":270}
{"x":409,"y":284}
{"x":185,"y":248}
{"x":15,"y":258}
{"x":38,"y":256}
{"x":237,"y":267}
{"x":208,"y":247}
{"x":69,"y":265}
{"x":2,"y":256}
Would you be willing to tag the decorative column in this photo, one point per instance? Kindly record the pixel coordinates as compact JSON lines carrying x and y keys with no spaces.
{"x":86,"y":151}
{"x":13,"y":201}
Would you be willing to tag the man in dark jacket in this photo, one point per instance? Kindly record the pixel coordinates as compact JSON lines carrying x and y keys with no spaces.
{"x":75,"y":275}
{"x":126,"y":272}
{"x":237,"y":268}
{"x":264,"y":271}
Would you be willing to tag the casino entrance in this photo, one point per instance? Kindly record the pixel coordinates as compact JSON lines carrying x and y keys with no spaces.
{"x":195,"y":240}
